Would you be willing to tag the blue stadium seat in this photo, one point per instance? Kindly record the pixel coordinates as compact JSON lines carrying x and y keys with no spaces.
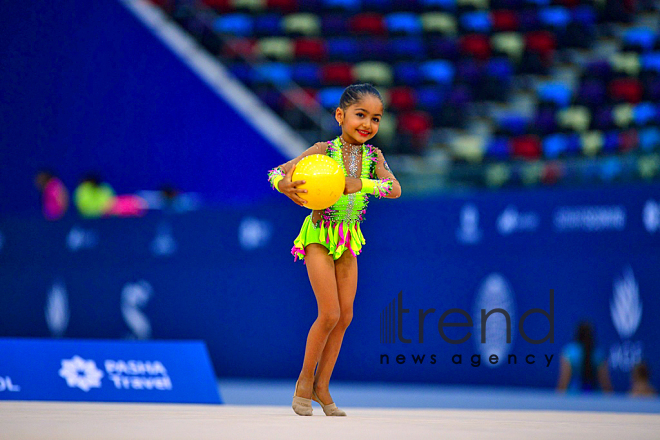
{"x":539,"y":2}
{"x":273,"y":73}
{"x":611,"y":142}
{"x":641,"y":37}
{"x":649,"y":138}
{"x":498,"y":148}
{"x":555,"y":92}
{"x":306,"y":74}
{"x":345,"y":5}
{"x":403,"y":23}
{"x":314,"y":6}
{"x":408,"y":73}
{"x":382,"y":6}
{"x":268,"y":25}
{"x":500,"y":68}
{"x":651,"y":61}
{"x":244,"y":72}
{"x":573,"y":143}
{"x":407,"y":5}
{"x":240,"y":25}
{"x":343,"y":48}
{"x":555,"y":145}
{"x":447,"y":5}
{"x":431,"y":98}
{"x":643,"y":113}
{"x":272,"y":98}
{"x":409,"y":48}
{"x":333,"y":25}
{"x":513,"y":5}
{"x":556,"y":17}
{"x":584,"y":15}
{"x":445,"y":48}
{"x":376,"y":49}
{"x":329,"y":97}
{"x":477,"y":21}
{"x":470,"y":71}
{"x":513,"y":123}
{"x":610,"y":169}
{"x":439,"y":71}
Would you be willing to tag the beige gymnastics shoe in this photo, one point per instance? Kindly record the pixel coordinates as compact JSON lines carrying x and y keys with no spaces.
{"x":330,"y":409}
{"x":300,"y":405}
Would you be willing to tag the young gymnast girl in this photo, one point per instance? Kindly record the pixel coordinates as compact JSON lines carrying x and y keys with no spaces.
{"x":330,"y":239}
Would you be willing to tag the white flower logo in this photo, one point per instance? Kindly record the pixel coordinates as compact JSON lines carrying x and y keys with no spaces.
{"x":495,"y":293}
{"x":626,"y":307}
{"x":81,"y":373}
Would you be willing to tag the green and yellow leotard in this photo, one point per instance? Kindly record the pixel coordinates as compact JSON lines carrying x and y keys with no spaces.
{"x":338,"y":227}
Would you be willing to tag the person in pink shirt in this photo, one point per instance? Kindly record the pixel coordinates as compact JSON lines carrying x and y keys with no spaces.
{"x":54,"y":195}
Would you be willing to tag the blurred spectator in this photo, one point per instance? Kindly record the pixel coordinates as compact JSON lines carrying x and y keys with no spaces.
{"x":641,"y":382}
{"x":54,"y":195}
{"x":95,"y":198}
{"x":583,"y":365}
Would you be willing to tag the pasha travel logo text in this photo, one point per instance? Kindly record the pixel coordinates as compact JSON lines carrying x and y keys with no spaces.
{"x":136,"y":375}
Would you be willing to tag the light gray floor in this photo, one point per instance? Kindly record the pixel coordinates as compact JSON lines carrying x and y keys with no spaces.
{"x":94,"y":421}
{"x":382,"y":395}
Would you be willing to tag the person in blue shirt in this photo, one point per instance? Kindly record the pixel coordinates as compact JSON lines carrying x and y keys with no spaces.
{"x":583,"y":366}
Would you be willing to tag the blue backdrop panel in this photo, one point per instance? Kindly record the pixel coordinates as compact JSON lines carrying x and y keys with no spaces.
{"x":226,"y":276}
{"x":86,"y":87}
{"x":106,"y":371}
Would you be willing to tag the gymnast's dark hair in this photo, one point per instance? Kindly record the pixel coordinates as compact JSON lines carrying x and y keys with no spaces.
{"x":355,"y":93}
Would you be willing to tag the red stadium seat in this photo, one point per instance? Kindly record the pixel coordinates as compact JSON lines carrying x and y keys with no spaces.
{"x":628,"y":140}
{"x":337,"y":74}
{"x":504,"y":20}
{"x":527,"y":146}
{"x":416,"y":126}
{"x":165,"y":5}
{"x":568,"y":3}
{"x":305,"y":98}
{"x":312,"y":49}
{"x":367,"y":24}
{"x":552,"y":173}
{"x":416,"y":123}
{"x":626,"y":90}
{"x":240,"y":48}
{"x":476,"y":45}
{"x":219,"y":5}
{"x":282,"y":5}
{"x":402,"y":98}
{"x":541,"y":42}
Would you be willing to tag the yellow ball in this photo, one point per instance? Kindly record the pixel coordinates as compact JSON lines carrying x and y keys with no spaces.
{"x":324,"y":180}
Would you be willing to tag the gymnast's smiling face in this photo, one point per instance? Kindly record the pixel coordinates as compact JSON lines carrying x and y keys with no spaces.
{"x":360,"y":120}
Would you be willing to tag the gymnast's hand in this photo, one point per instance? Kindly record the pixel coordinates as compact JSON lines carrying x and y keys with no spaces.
{"x":353,"y":185}
{"x":289,"y":188}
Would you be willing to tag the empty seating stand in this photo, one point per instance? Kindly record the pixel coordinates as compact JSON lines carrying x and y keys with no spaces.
{"x":436,"y":61}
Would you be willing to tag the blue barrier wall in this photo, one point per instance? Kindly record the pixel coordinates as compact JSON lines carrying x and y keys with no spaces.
{"x":86,"y":87}
{"x":106,"y":371}
{"x":226,"y":276}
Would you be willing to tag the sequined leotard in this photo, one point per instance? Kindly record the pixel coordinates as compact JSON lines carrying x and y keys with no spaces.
{"x":338,"y":227}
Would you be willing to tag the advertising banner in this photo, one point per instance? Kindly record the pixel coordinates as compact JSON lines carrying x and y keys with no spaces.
{"x":106,"y":371}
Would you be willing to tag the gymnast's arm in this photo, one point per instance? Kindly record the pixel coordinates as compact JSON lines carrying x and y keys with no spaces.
{"x":280,"y":176}
{"x":384,"y":173}
{"x":317,"y":148}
